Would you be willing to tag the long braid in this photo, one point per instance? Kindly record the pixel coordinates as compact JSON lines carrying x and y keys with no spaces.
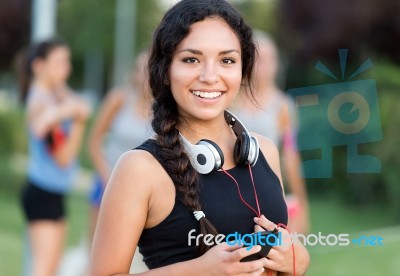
{"x":184,"y":176}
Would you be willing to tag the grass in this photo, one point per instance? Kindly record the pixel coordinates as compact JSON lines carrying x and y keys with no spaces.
{"x":332,"y":216}
{"x":358,"y":260}
{"x":12,"y":229}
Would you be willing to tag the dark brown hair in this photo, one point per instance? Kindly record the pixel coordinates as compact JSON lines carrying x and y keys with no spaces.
{"x":39,"y":50}
{"x":173,"y":28}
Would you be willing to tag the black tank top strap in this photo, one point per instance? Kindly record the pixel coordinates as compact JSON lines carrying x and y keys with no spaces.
{"x":151,"y":146}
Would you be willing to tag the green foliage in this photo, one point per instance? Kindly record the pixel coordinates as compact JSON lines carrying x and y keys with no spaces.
{"x":13,"y":135}
{"x":260,"y":15}
{"x":381,"y":189}
{"x":387,"y":75}
{"x":89,"y":26}
{"x":149,"y":14}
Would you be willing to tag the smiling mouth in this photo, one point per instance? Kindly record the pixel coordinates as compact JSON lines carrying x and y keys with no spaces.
{"x":207,"y":95}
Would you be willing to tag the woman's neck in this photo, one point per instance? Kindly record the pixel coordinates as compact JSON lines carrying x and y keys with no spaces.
{"x":265,"y":91}
{"x":142,"y":105}
{"x":262,"y":96}
{"x":44,"y":85}
{"x":215,"y":130}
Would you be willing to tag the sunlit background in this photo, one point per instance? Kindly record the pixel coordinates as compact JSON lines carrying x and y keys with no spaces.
{"x":105,"y":36}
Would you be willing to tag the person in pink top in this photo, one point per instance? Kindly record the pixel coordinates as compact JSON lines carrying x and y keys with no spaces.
{"x":273,"y":114}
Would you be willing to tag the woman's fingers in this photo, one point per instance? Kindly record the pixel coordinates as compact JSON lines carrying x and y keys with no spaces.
{"x":272,"y":265}
{"x":231,"y":247}
{"x":253,"y":273}
{"x":258,"y":228}
{"x":265,"y":223}
{"x":240,"y":253}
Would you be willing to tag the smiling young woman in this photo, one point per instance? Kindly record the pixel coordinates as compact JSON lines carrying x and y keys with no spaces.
{"x":202,"y":54}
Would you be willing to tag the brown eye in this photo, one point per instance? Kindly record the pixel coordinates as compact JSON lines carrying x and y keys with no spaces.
{"x":190,"y":60}
{"x":228,"y":61}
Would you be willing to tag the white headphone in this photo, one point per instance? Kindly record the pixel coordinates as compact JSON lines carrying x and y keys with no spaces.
{"x":206,"y":156}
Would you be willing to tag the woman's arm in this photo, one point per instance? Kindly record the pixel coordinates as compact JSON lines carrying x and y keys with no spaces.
{"x":44,"y":116}
{"x":111,"y":105}
{"x":123,"y":214}
{"x":68,"y":151}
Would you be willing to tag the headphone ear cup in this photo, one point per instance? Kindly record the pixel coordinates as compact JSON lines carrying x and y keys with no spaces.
{"x":216,"y":150}
{"x":242,"y":149}
{"x":254,"y":151}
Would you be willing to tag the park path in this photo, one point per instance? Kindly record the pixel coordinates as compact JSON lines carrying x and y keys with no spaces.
{"x":75,"y":261}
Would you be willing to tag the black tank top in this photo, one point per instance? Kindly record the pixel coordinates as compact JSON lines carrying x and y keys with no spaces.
{"x":167,"y":242}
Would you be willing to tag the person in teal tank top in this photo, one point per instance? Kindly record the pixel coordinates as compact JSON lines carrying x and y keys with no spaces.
{"x":55,"y":121}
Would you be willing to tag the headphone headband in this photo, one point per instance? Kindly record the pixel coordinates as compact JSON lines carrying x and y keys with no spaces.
{"x":235,"y":123}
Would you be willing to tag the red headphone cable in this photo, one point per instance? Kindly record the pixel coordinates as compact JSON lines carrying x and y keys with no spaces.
{"x":258,"y":212}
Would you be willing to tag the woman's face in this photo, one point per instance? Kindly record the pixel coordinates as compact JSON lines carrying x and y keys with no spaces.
{"x":206,"y":70}
{"x":55,"y":68}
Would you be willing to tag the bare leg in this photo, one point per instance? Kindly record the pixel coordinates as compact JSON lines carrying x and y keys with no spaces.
{"x":47,"y":242}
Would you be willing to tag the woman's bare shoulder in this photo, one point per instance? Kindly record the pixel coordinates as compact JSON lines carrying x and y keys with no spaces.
{"x":137,"y":170}
{"x":270,"y":152}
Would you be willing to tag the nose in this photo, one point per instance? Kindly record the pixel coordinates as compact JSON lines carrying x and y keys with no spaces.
{"x":209,"y":74}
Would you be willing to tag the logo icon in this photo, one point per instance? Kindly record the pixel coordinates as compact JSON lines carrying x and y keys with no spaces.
{"x":345,"y":113}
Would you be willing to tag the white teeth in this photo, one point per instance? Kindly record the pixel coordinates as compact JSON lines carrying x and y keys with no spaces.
{"x":207,"y":95}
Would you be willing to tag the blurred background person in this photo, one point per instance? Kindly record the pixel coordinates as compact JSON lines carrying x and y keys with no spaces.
{"x":55,"y":121}
{"x":272,"y":114}
{"x":123,"y":123}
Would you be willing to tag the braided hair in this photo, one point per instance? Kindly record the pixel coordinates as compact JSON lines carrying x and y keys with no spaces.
{"x":40,"y":50}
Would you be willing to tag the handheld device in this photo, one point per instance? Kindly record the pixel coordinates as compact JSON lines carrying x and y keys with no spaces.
{"x":267,"y":239}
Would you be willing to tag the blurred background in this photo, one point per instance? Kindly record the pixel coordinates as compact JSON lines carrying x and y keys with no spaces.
{"x":105,"y":36}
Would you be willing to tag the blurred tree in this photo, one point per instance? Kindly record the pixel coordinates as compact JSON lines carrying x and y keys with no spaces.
{"x":313,"y":29}
{"x":260,"y":15}
{"x":14,"y":29}
{"x":89,"y":26}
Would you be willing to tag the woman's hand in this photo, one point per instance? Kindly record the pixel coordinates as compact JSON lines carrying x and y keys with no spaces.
{"x":224,"y":259}
{"x":81,"y":109}
{"x":281,"y":258}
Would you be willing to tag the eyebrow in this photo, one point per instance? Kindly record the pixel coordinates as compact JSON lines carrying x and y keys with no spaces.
{"x":197,"y":52}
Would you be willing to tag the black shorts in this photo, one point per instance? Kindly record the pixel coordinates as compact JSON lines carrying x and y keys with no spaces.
{"x":39,"y":204}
